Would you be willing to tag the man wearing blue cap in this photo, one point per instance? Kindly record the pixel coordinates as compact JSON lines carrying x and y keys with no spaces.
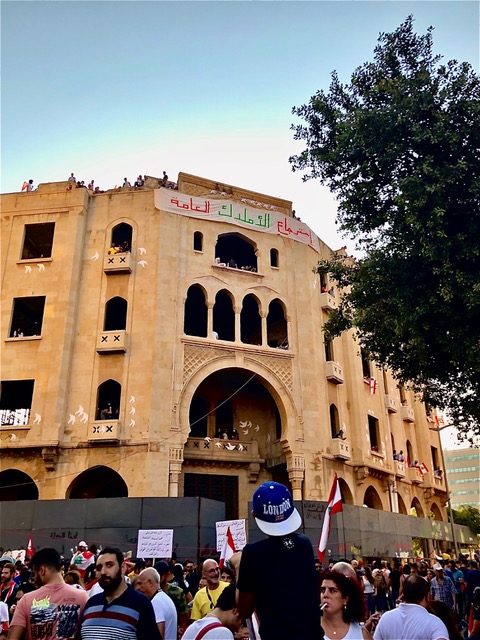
{"x":285,"y":609}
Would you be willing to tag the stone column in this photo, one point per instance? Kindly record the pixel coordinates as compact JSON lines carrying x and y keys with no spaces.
{"x":237,"y":323}
{"x":296,"y":474}
{"x":264,"y":330}
{"x":175,"y":469}
{"x":209,"y":319}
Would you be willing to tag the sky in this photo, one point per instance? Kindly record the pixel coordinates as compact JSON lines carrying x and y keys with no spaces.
{"x":112,"y":89}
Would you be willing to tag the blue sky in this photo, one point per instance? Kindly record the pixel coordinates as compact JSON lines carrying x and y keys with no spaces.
{"x":109,"y":89}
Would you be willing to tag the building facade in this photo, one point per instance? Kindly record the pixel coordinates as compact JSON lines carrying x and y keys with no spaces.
{"x":463,"y":470}
{"x":190,"y":359}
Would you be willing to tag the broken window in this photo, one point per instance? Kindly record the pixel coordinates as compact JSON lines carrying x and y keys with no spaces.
{"x":38,"y":241}
{"x":122,"y":236}
{"x":27,"y":316}
{"x":334,"y":421}
{"x":274,"y":258}
{"x":198,"y":241}
{"x":115,"y":314}
{"x":108,"y":400}
{"x":224,"y":316}
{"x":198,"y":417}
{"x":195,"y":319}
{"x":16,"y":402}
{"x":277,"y":334}
{"x":373,"y":431}
{"x":250,"y":321}
{"x":233,"y":249}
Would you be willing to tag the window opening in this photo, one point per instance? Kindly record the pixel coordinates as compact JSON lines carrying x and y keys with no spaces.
{"x":274,"y":258}
{"x":196,"y":313}
{"x":16,"y":402}
{"x":38,"y":241}
{"x":335,"y":422}
{"x":198,"y":241}
{"x":224,"y":420}
{"x":122,"y":237}
{"x":236,"y":252}
{"x":108,"y":400}
{"x":366,"y":364}
{"x":373,"y":431}
{"x":224,"y":317}
{"x":277,"y":329}
{"x":250,"y":321}
{"x":27,"y":316}
{"x":329,"y":350}
{"x":198,"y":417}
{"x":115,"y":315}
{"x":278,"y":424}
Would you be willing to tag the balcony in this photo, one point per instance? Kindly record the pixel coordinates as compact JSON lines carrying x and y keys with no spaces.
{"x":112,"y":341}
{"x":328,"y":302}
{"x":399,"y":469}
{"x":414,"y":475}
{"x":334,"y":371}
{"x":390,"y":404}
{"x":219,"y":450}
{"x":407,"y":414}
{"x":340,"y":449}
{"x":104,"y":431}
{"x":117,"y":263}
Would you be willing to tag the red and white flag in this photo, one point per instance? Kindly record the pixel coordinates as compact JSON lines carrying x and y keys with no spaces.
{"x":334,"y":506}
{"x":24,"y":186}
{"x":373,"y":386}
{"x":228,"y":549}
{"x":30,"y":549}
{"x":422,"y":467}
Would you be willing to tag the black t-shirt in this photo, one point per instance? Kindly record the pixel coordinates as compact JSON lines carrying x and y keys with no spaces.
{"x":394,"y":576}
{"x":280,"y":571}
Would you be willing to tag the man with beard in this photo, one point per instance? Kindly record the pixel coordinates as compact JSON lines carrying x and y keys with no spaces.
{"x":118,"y":611}
{"x":54,"y":609}
{"x":9,"y":587}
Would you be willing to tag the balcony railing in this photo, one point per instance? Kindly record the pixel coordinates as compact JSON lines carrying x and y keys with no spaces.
{"x":414,"y":475}
{"x":14,"y":417}
{"x":334,"y":371}
{"x":220,"y":449}
{"x":399,"y":469}
{"x":112,"y":341}
{"x":117,"y":263}
{"x":390,"y":404}
{"x":340,"y":449}
{"x":104,"y":431}
{"x":328,"y":302}
{"x":407,"y":414}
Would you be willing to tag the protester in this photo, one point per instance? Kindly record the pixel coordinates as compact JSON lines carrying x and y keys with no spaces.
{"x":206,"y":598}
{"x":148,"y":583}
{"x":342,"y":606}
{"x":220,"y":622}
{"x":264,"y":583}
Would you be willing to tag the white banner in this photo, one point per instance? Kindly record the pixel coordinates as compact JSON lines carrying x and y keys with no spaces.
{"x":155,"y":543}
{"x":256,"y":219}
{"x":237,"y":529}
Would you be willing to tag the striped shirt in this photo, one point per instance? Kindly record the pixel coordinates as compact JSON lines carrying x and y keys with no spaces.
{"x":128,"y":617}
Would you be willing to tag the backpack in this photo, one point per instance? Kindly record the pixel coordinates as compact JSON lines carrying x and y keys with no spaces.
{"x":379,"y":581}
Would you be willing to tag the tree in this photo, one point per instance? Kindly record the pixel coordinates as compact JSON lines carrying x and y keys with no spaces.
{"x":399,"y":146}
{"x":469,"y":516}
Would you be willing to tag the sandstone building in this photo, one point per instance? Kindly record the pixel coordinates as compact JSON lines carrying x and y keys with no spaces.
{"x":114,"y":382}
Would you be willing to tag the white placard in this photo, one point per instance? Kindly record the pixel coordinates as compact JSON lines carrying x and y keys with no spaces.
{"x":237,"y":529}
{"x":155,"y":543}
{"x":18,"y":554}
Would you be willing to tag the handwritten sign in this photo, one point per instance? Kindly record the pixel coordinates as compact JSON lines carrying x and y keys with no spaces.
{"x":236,"y":213}
{"x":155,"y":543}
{"x":237,"y":529}
{"x":18,"y":554}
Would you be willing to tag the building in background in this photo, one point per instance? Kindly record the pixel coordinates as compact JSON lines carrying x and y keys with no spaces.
{"x":168,"y":342}
{"x":463,"y":469}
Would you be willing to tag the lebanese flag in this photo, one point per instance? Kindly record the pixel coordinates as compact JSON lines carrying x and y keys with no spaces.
{"x":24,"y":186}
{"x":228,"y":549}
{"x":30,"y":549}
{"x":373,"y":386}
{"x":334,"y":506}
{"x":422,"y":467}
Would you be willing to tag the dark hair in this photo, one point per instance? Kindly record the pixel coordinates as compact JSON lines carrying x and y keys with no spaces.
{"x":115,"y":552}
{"x":442,"y":611}
{"x":349,"y":587}
{"x":9,"y":565}
{"x":407,"y":569}
{"x":48,"y":557}
{"x":415,"y":588}
{"x":368,"y":574}
{"x":74,"y":576}
{"x":226,"y":601}
{"x":228,"y":571}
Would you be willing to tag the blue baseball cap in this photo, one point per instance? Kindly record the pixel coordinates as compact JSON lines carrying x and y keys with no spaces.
{"x":273,"y":510}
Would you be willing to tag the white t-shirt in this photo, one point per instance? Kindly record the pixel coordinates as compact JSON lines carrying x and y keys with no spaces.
{"x":165,"y":612}
{"x":3,"y":613}
{"x":410,"y":622}
{"x":218,"y":633}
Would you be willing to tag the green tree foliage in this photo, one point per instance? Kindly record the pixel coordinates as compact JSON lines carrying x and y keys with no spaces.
{"x":399,"y":146}
{"x":469,"y":516}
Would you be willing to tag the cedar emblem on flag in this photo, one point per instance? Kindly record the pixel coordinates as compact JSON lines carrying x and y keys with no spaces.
{"x":228,"y":549}
{"x":30,"y":549}
{"x":334,"y":505}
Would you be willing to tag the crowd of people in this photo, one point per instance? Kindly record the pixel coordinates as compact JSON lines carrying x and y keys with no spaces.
{"x":273,"y":589}
{"x":73,"y":183}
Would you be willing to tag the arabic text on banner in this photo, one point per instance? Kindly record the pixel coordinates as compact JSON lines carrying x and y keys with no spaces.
{"x":237,"y":529}
{"x":265,"y":221}
{"x":155,"y":543}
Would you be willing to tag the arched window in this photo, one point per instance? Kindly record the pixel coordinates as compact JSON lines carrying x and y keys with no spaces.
{"x":401,"y":505}
{"x":17,"y":485}
{"x":410,"y":455}
{"x":235,"y":248}
{"x":274,"y":258}
{"x":250,"y":321}
{"x":224,"y":316}
{"x":108,"y":400}
{"x":198,"y":417}
{"x":115,"y":314}
{"x":195,"y":318}
{"x":347,"y":496}
{"x":277,"y":332}
{"x":334,"y":421}
{"x":416,"y":509}
{"x":122,"y":236}
{"x":198,"y":241}
{"x":98,"y":482}
{"x":437,"y":514}
{"x":372,"y":499}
